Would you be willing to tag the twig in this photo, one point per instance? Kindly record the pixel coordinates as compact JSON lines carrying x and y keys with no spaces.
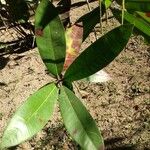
{"x":100,"y":15}
{"x":78,"y":90}
{"x":2,"y":19}
{"x":106,"y":17}
{"x":31,"y":8}
{"x":21,"y":31}
{"x":123,"y":9}
{"x":6,"y":27}
{"x":33,"y":42}
{"x":89,"y":7}
{"x":88,"y":4}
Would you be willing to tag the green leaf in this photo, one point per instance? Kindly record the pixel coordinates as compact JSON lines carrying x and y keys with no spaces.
{"x":79,"y":122}
{"x":138,"y":22}
{"x":141,"y":25}
{"x":67,"y":84}
{"x":89,"y":21}
{"x":107,"y":3}
{"x":138,"y":5}
{"x":31,"y":116}
{"x":144,"y":16}
{"x":99,"y":54}
{"x":50,"y":37}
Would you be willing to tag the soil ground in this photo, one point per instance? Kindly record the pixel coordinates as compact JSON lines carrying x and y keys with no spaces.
{"x":121,"y":106}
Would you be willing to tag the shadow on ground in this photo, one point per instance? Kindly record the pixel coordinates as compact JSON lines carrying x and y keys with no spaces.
{"x":16,"y":47}
{"x":3,"y":62}
{"x":116,"y":144}
{"x":55,"y":137}
{"x":19,"y":46}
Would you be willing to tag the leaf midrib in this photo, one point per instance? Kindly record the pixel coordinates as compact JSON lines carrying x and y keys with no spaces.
{"x":80,"y":121}
{"x":53,"y":51}
{"x":28,"y":119}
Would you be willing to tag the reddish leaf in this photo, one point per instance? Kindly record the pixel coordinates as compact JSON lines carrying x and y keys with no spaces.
{"x":148,"y":14}
{"x":74,"y":37}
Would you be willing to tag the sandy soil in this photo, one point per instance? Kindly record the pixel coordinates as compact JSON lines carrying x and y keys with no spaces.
{"x":121,"y":106}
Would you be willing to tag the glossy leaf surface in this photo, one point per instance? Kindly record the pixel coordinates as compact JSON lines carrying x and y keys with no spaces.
{"x":79,"y":122}
{"x":31,"y":117}
{"x":140,"y":23}
{"x":145,"y":16}
{"x":89,"y":21}
{"x":50,"y":37}
{"x":99,"y":54}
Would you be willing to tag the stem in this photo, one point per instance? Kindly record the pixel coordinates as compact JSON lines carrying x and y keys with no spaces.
{"x":106,"y":16}
{"x":100,"y":15}
{"x":6,"y":27}
{"x":59,"y":82}
{"x":33,"y":42}
{"x":123,"y":9}
{"x":88,"y":4}
{"x":89,"y":7}
{"x":78,"y":90}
